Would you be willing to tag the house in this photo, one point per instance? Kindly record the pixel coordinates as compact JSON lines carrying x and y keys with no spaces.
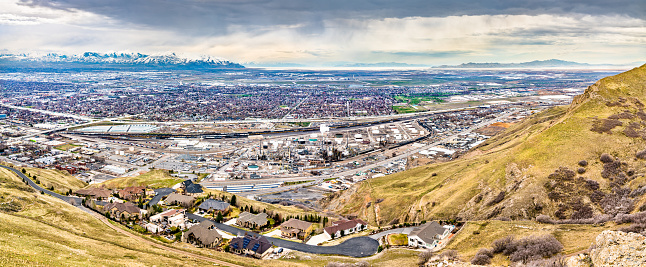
{"x":212,"y":205}
{"x":172,"y":218}
{"x":255,"y":246}
{"x":180,"y":200}
{"x":132,"y":193}
{"x":120,"y":211}
{"x":204,"y":235}
{"x":153,"y":228}
{"x":428,"y":235}
{"x":295,"y":228}
{"x":191,"y":189}
{"x":345,"y":227}
{"x":95,"y":193}
{"x":252,"y":221}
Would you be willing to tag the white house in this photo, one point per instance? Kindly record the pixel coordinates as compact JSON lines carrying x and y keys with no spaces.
{"x":429,"y":235}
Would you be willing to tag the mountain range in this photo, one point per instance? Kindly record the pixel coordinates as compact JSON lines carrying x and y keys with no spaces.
{"x":119,"y":59}
{"x":550,"y":63}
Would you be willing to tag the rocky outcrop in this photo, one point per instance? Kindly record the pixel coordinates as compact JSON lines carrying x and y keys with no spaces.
{"x":613,"y":248}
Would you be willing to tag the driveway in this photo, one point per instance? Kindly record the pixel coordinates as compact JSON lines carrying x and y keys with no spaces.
{"x":406,"y":230}
{"x":318,"y":239}
{"x":362,"y":246}
{"x":159,"y":194}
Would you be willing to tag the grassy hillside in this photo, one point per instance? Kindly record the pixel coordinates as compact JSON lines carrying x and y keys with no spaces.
{"x":154,"y":179}
{"x":62,"y":181}
{"x":481,"y":234}
{"x":39,"y":230}
{"x":508,"y":175}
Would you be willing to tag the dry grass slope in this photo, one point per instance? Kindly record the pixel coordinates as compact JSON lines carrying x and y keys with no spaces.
{"x":514,"y":164}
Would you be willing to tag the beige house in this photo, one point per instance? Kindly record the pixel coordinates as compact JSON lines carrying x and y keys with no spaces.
{"x":294,"y":228}
{"x":204,"y":235}
{"x":252,"y":221}
{"x":124,"y":211}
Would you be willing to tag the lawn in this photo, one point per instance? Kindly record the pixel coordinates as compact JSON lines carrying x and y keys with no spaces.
{"x":398,"y":239}
{"x":67,"y":147}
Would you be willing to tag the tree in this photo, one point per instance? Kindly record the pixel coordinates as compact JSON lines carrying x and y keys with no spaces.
{"x":24,"y":171}
{"x":219,"y":218}
{"x":233,"y":200}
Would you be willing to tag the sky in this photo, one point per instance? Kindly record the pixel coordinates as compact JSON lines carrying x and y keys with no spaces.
{"x":328,"y":32}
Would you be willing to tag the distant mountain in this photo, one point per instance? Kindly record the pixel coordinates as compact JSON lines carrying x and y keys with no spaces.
{"x":120,"y":59}
{"x":550,"y":63}
{"x":380,"y":65}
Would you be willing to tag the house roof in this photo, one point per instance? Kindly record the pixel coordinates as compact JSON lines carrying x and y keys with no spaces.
{"x":194,"y":189}
{"x":428,"y":231}
{"x":257,"y":219}
{"x":171,"y":212}
{"x":212,"y":204}
{"x":343,"y":225}
{"x":182,"y":199}
{"x":205,"y":232}
{"x":134,"y":189}
{"x":258,"y":244}
{"x":295,"y":224}
{"x":121,"y":207}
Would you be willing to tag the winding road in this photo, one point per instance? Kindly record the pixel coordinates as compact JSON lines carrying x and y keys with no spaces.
{"x":354,"y":247}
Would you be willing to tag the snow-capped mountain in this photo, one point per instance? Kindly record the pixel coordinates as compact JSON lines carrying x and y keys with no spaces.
{"x":170,"y":59}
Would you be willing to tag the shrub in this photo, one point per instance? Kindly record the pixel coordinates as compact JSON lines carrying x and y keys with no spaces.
{"x":497,"y":199}
{"x":450,"y":254}
{"x":423,"y":257}
{"x":606,"y":158}
{"x":544,"y":219}
{"x":611,"y":169}
{"x":580,"y":170}
{"x":583,"y":163}
{"x":641,"y":154}
{"x":480,"y":259}
{"x":634,"y":228}
{"x":500,"y":245}
{"x":605,"y":125}
{"x":592,"y":184}
{"x":535,"y":247}
{"x":551,"y":262}
{"x":583,"y":212}
{"x":596,"y":196}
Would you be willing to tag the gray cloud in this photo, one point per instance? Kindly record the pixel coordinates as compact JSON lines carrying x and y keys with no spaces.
{"x":209,"y":18}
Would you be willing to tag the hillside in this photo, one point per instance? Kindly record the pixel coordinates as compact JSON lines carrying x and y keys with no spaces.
{"x":153,"y":179}
{"x":510,"y":175}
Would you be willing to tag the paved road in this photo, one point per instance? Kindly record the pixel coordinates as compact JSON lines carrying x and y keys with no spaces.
{"x":161,"y":192}
{"x":76,"y":201}
{"x":354,"y":247}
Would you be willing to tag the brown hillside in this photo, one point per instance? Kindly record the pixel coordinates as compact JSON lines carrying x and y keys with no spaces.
{"x":514,"y":175}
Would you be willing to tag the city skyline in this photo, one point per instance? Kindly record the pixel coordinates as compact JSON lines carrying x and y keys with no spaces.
{"x":320,"y":34}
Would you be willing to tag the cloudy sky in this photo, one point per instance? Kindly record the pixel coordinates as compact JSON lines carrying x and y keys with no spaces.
{"x":327,"y":31}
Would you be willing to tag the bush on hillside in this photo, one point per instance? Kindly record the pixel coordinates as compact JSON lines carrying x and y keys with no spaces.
{"x":580,"y":170}
{"x":450,"y":254}
{"x":606,"y":158}
{"x":583,"y":163}
{"x":529,"y":248}
{"x":551,"y":262}
{"x":483,"y":257}
{"x":424,"y":257}
{"x":592,"y":184}
{"x":497,"y":199}
{"x":605,"y":125}
{"x":545,"y":219}
{"x":641,"y":154}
